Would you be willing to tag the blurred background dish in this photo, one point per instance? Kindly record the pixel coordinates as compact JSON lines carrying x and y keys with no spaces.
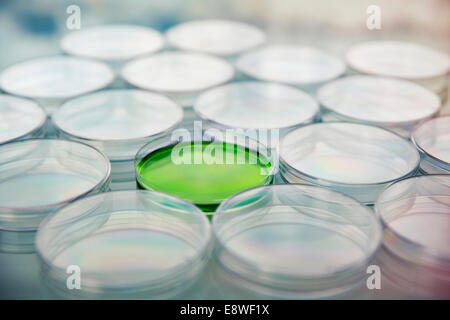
{"x":402,"y":60}
{"x":20,"y":119}
{"x":301,"y":66}
{"x":390,"y":103}
{"x":223,"y":38}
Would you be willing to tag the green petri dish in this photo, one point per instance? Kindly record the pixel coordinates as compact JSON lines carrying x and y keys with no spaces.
{"x":203,"y":172}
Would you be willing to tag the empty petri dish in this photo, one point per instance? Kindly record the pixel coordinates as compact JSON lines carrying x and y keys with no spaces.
{"x":218,"y":37}
{"x":131,"y":243}
{"x":296,"y":241}
{"x":415,"y":213}
{"x":119,"y":123}
{"x":203,"y":167}
{"x":403,"y":60}
{"x":256,"y":105}
{"x":355,"y":159}
{"x":394,"y":104}
{"x":112,"y":43}
{"x":301,"y":66}
{"x":20,"y":119}
{"x":52,"y":80}
{"x":39,"y":176}
{"x":432,"y":138}
{"x":181,"y":76}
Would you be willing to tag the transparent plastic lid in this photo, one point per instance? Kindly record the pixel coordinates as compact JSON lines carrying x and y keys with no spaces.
{"x":117,"y":122}
{"x":296,"y":240}
{"x":177,"y":74}
{"x":381,"y":101}
{"x":55,"y":77}
{"x":19,"y":118}
{"x":398,"y":59}
{"x":112,"y":42}
{"x":416,"y":215}
{"x":432,"y":138}
{"x":218,"y":37}
{"x":356,"y":159}
{"x":127,"y":242}
{"x":291,"y":64}
{"x":39,"y":176}
{"x":256,"y":105}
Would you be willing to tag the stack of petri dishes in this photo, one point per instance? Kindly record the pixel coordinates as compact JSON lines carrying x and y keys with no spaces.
{"x":402,"y":60}
{"x":415,"y":213}
{"x":204,"y":168}
{"x":38,"y":177}
{"x":432,"y":138}
{"x":223,"y":38}
{"x":20,"y":119}
{"x":390,"y":103}
{"x":118,"y":122}
{"x":114,"y":44}
{"x":52,"y":80}
{"x":355,"y":159}
{"x":294,"y":241}
{"x":181,"y":76}
{"x":127,"y":244}
{"x":304,"y":67}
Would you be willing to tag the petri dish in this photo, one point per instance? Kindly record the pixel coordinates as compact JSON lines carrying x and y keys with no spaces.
{"x":300,"y":66}
{"x":203,"y":167}
{"x":256,"y":105}
{"x":415,"y":213}
{"x":39,"y":176}
{"x":130,"y":243}
{"x":403,"y":60}
{"x":432,"y":138}
{"x":20,"y":119}
{"x":296,"y":241}
{"x":223,"y":38}
{"x":179,"y":75}
{"x":117,"y":122}
{"x":390,"y":103}
{"x":53,"y":79}
{"x":355,"y":159}
{"x":112,"y":43}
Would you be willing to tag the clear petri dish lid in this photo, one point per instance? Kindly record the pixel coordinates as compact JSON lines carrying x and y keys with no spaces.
{"x":256,"y":105}
{"x":416,"y":215}
{"x":298,"y":240}
{"x":39,"y":176}
{"x":398,"y":59}
{"x":356,"y":159}
{"x":19,"y":118}
{"x":126,"y":242}
{"x":291,"y":64}
{"x":177,"y":73}
{"x":380,"y":101}
{"x":217,"y":37}
{"x":117,"y":122}
{"x":55,"y":77}
{"x":432,"y":138}
{"x":112,"y":42}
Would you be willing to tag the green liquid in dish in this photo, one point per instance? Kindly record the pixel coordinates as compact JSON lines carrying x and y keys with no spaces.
{"x":204,"y":173}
